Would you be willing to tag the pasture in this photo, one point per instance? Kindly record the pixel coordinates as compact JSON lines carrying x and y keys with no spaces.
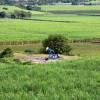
{"x":84,"y":10}
{"x":67,"y":80}
{"x":42,"y":24}
{"x":40,"y":27}
{"x":68,"y":7}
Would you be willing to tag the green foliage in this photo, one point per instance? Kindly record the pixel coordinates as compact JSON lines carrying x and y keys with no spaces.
{"x":2,"y":14}
{"x":29,"y":7}
{"x":5,"y":8}
{"x":29,"y":51}
{"x":6,"y":53}
{"x":21,"y":14}
{"x":36,"y":8}
{"x":17,"y":61}
{"x":27,"y":63}
{"x":16,"y":14}
{"x":58,"y":43}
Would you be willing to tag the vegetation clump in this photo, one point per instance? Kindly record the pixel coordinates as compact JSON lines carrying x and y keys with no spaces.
{"x":35,"y":8}
{"x":58,"y":43}
{"x":16,"y":14}
{"x":6,"y":53}
{"x":29,"y":51}
{"x":2,"y":14}
{"x":21,"y":14}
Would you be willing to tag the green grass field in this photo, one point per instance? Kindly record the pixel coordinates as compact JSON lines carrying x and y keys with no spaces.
{"x":70,"y":7}
{"x":38,"y":28}
{"x":74,"y":80}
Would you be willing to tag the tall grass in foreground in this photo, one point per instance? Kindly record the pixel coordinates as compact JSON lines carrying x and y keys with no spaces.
{"x":67,"y":80}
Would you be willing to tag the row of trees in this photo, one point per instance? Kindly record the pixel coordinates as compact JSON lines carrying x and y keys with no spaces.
{"x":42,"y":1}
{"x":15,"y":15}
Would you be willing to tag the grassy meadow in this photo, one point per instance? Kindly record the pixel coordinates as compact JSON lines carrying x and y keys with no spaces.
{"x":67,"y":80}
{"x":62,"y":80}
{"x":69,"y":7}
{"x":39,"y":28}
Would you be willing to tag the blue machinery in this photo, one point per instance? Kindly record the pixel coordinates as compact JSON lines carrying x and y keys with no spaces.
{"x":52,"y":54}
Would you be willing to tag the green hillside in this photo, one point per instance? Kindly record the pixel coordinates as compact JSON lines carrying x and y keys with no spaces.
{"x":13,"y":8}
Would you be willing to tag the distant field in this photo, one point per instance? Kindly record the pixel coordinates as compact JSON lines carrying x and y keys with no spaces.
{"x":70,"y":7}
{"x":59,"y":9}
{"x":39,"y":27}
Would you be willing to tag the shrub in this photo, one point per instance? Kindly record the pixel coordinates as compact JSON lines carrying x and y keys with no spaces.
{"x":29,"y":51}
{"x":17,"y":61}
{"x":36,"y":8}
{"x":13,"y":16}
{"x":58,"y":43}
{"x":27,"y":63}
{"x":29,"y":7}
{"x":5,"y":8}
{"x":2,"y":14}
{"x":6,"y":53}
{"x":21,"y":14}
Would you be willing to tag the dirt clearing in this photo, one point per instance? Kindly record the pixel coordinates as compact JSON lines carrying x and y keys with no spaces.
{"x":41,"y":58}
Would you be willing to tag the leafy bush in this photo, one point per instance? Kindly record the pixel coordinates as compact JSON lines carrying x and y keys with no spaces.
{"x":13,"y":16}
{"x":2,"y":14}
{"x":36,"y":8}
{"x":29,"y":7}
{"x":58,"y":43}
{"x":5,"y":8}
{"x":21,"y":14}
{"x":6,"y":53}
{"x":29,"y":51}
{"x":27,"y":63}
{"x":17,"y":61}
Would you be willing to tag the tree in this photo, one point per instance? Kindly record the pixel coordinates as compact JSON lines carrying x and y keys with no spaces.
{"x":58,"y":43}
{"x":2,"y":14}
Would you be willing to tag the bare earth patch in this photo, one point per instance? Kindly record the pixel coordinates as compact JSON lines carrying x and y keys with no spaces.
{"x":40,"y":58}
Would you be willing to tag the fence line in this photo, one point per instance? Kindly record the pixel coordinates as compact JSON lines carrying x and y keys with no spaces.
{"x":18,"y":42}
{"x":95,"y":40}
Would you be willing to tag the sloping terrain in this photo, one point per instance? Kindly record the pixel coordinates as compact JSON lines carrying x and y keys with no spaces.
{"x":13,"y":8}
